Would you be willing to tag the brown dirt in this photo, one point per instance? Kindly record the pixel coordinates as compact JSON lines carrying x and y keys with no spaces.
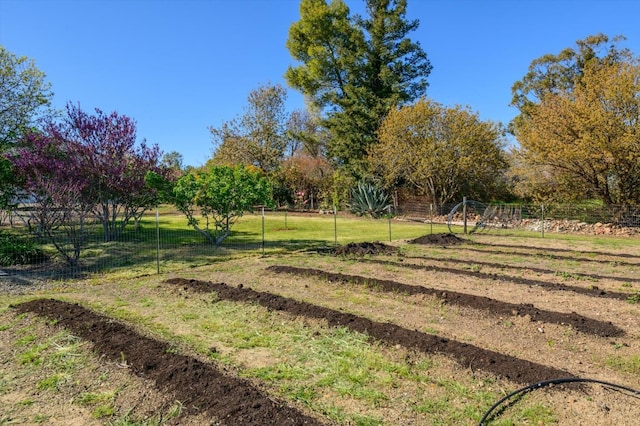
{"x":201,"y":387}
{"x":439,"y":240}
{"x":363,"y":249}
{"x":494,"y":307}
{"x":515,"y":369}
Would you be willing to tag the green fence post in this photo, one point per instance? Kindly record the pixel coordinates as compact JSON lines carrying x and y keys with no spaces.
{"x":389,"y":208}
{"x":464,"y":214}
{"x":543,"y":221}
{"x":335,"y":226}
{"x":158,"y":241}
{"x":431,"y":218}
{"x":262,"y":231}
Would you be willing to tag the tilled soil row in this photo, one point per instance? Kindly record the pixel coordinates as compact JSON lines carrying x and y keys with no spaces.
{"x":592,"y":291}
{"x":467,"y":355}
{"x":492,"y":306}
{"x":542,"y":251}
{"x":199,"y":386}
{"x":545,"y":254}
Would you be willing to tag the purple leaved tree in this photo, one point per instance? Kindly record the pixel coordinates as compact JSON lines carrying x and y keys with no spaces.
{"x":112,"y":165}
{"x":57,"y":209}
{"x":86,"y":166}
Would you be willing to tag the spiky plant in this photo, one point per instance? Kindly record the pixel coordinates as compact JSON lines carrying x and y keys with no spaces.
{"x":369,"y":200}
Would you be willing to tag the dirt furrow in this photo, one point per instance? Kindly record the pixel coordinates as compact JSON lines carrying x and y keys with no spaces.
{"x":201,"y":387}
{"x":467,"y":355}
{"x":531,"y":268}
{"x":494,"y":307}
{"x":592,"y":291}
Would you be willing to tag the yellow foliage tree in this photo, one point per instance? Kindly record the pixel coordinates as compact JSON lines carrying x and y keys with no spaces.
{"x":586,"y":141}
{"x":445,"y":153}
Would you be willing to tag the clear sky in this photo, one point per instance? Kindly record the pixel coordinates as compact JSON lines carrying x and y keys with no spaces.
{"x":180,"y":66}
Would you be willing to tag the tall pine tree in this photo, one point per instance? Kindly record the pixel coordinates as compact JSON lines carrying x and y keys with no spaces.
{"x":356,"y":69}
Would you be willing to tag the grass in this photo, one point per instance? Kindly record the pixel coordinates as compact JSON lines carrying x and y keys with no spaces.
{"x":630,"y":364}
{"x":335,"y":372}
{"x":138,"y":252}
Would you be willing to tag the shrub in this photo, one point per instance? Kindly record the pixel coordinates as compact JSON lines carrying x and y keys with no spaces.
{"x":368,"y":200}
{"x":17,"y":251}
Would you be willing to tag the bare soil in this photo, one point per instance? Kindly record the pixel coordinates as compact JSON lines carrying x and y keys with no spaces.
{"x":517,"y":313}
{"x":501,"y":365}
{"x":492,"y":306}
{"x":200,"y":387}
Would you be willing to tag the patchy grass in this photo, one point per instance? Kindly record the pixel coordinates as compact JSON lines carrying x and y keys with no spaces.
{"x":340,"y":376}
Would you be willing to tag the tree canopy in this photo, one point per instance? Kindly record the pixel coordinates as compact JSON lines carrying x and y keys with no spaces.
{"x":552,"y":74}
{"x":582,"y":137}
{"x":23,"y":95}
{"x":47,"y":169}
{"x":443,"y":152}
{"x":219,"y":194}
{"x":98,"y":155}
{"x":259,"y":136}
{"x":355,"y":69}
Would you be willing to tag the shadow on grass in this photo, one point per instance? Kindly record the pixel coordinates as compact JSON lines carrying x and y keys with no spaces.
{"x":141,"y":253}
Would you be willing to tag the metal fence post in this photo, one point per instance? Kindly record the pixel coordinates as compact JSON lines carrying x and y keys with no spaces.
{"x":464,"y":214}
{"x":431,"y":218}
{"x":543,"y":221}
{"x":158,"y":241}
{"x":335,"y":226}
{"x":262,"y":231}
{"x":389,"y":208}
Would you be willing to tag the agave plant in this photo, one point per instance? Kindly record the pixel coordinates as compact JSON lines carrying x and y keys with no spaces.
{"x":369,"y":200}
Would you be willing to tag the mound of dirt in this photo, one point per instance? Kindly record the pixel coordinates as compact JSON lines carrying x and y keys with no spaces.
{"x":439,"y":240}
{"x":494,"y":307}
{"x":201,"y":387}
{"x":362,"y":249}
{"x":502,"y":365}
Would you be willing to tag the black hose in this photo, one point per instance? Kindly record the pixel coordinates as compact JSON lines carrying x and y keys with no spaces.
{"x":544,"y":383}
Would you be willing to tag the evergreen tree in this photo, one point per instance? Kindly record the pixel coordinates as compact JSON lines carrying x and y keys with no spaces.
{"x":356,"y":69}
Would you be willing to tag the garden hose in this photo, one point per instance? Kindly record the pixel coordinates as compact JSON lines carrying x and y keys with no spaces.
{"x":544,"y":383}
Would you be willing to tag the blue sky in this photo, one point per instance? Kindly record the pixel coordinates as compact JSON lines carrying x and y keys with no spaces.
{"x":180,"y":66}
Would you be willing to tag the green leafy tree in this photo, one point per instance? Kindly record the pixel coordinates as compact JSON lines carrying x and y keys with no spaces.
{"x":259,"y":136}
{"x":306,"y":134}
{"x":173,"y":160}
{"x":24,"y":96}
{"x":446,"y":153}
{"x":215,"y":195}
{"x":355,"y":69}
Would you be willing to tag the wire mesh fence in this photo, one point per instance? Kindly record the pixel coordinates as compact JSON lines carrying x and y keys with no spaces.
{"x":162,"y":241}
